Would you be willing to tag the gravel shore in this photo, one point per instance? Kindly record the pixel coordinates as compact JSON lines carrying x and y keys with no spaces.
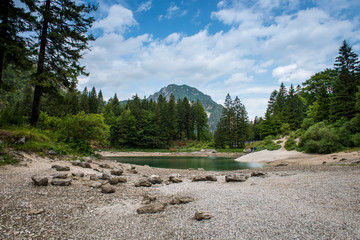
{"x":291,"y":202}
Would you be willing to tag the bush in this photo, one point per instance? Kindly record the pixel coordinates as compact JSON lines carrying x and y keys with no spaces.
{"x":290,"y":143}
{"x":356,"y":139}
{"x":49,"y":122}
{"x":84,"y":128}
{"x":268,"y":144}
{"x":320,"y":138}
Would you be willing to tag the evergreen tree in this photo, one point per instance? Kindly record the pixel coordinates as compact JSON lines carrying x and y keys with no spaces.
{"x":345,"y":86}
{"x":172,"y":118}
{"x":62,"y":39}
{"x":242,"y":122}
{"x":84,"y":101}
{"x":14,"y":47}
{"x":200,"y":118}
{"x":93,"y":101}
{"x":71,"y":101}
{"x":115,"y":105}
{"x":101,"y":102}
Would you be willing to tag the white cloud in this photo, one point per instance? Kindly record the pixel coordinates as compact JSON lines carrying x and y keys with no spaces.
{"x":145,"y":6}
{"x":118,"y":19}
{"x":246,"y":61}
{"x":173,"y":11}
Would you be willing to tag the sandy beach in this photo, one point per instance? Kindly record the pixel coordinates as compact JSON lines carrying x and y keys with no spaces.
{"x":307,"y":199}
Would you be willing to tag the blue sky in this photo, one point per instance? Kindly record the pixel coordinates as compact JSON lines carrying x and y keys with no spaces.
{"x":244,"y":48}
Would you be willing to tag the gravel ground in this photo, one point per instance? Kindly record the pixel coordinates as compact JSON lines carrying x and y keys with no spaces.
{"x":293,"y":202}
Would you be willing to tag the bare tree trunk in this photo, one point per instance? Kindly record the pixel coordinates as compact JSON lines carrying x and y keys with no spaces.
{"x":40,"y":69}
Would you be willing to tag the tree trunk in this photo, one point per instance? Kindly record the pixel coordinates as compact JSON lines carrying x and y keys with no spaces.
{"x":4,"y":5}
{"x":40,"y":69}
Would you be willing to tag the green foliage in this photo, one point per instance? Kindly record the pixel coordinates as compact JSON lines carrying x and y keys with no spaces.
{"x":268,"y":144}
{"x":6,"y":159}
{"x":84,"y":128}
{"x":290,"y":143}
{"x":356,"y":139}
{"x":47,"y":122}
{"x":320,"y":138}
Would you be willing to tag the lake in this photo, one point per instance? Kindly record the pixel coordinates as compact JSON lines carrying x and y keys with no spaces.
{"x":181,"y":162}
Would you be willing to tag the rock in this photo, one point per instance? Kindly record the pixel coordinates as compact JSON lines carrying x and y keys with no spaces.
{"x":202,"y":215}
{"x":133,"y":170}
{"x":236,"y":177}
{"x":117,"y":171}
{"x":21,"y":141}
{"x":198,"y":178}
{"x":81,"y":164}
{"x":60,"y":175}
{"x":200,"y":169}
{"x":60,"y":168}
{"x":151,"y":208}
{"x":95,"y":184}
{"x":175,"y":178}
{"x":61,"y":182}
{"x":87,"y":159}
{"x":51,"y":152}
{"x":155,"y":179}
{"x":181,"y":200}
{"x":116,"y":180}
{"x":78,"y":174}
{"x":281,"y":165}
{"x":257,"y":174}
{"x":211,"y":178}
{"x":324,"y":162}
{"x":104,"y":165}
{"x":94,"y":177}
{"x":107,"y":189}
{"x":343,"y":159}
{"x":40,"y":180}
{"x":36,"y":211}
{"x":105,"y":176}
{"x":147,"y":199}
{"x":143,"y":183}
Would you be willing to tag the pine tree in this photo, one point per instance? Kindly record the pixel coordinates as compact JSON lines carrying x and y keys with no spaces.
{"x":242,"y":122}
{"x":93,"y":101}
{"x":62,"y":39}
{"x":345,"y":86}
{"x":14,"y":47}
{"x":84,"y":101}
{"x":200,"y":118}
{"x":101,"y":102}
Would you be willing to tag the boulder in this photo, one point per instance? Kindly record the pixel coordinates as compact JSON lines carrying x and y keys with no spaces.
{"x":40,"y":180}
{"x":61,"y":182}
{"x":117,"y":171}
{"x":81,"y":164}
{"x":155,"y":179}
{"x":107,"y":189}
{"x":116,"y":180}
{"x":60,"y":175}
{"x":236,"y":177}
{"x":152,"y":208}
{"x":198,"y":178}
{"x":148,"y":199}
{"x":175,"y":178}
{"x":95,"y":177}
{"x":181,"y":200}
{"x":78,"y":174}
{"x":105,"y":176}
{"x":104,"y":165}
{"x":60,"y":168}
{"x":202,"y":215}
{"x":211,"y":178}
{"x":143,"y":183}
{"x":95,"y":184}
{"x":257,"y":174}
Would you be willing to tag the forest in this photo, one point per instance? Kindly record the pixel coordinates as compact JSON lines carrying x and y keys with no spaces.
{"x":40,"y":49}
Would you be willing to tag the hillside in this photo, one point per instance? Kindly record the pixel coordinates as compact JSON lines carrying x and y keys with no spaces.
{"x":180,"y":91}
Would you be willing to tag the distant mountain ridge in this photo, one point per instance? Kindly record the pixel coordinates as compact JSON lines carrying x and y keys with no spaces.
{"x":212,"y":108}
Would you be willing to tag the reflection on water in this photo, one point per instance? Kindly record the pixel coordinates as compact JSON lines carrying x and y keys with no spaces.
{"x":179,"y":162}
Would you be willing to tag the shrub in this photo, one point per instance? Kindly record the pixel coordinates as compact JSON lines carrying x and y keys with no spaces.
{"x":290,"y":143}
{"x":320,"y":138}
{"x":356,"y":139}
{"x":84,"y":128}
{"x":268,"y":144}
{"x":49,"y":122}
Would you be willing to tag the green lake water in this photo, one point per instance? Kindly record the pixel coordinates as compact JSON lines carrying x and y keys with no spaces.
{"x":179,"y":162}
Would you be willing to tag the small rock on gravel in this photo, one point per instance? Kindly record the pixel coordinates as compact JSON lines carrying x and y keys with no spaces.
{"x":117,"y":171}
{"x":202,"y":215}
{"x":152,"y":208}
{"x":61,"y":182}
{"x":116,"y":180}
{"x":143,"y":183}
{"x":257,"y":174}
{"x":198,"y":178}
{"x":181,"y":200}
{"x":236,"y":177}
{"x":148,"y":199}
{"x":211,"y":178}
{"x":155,"y":179}
{"x":40,"y":180}
{"x":107,"y":189}
{"x":60,"y":168}
{"x":60,"y":175}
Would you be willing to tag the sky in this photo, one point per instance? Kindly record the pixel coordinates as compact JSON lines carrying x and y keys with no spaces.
{"x":244,"y":48}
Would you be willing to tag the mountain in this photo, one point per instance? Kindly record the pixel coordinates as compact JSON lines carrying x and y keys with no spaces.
{"x":212,"y":108}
